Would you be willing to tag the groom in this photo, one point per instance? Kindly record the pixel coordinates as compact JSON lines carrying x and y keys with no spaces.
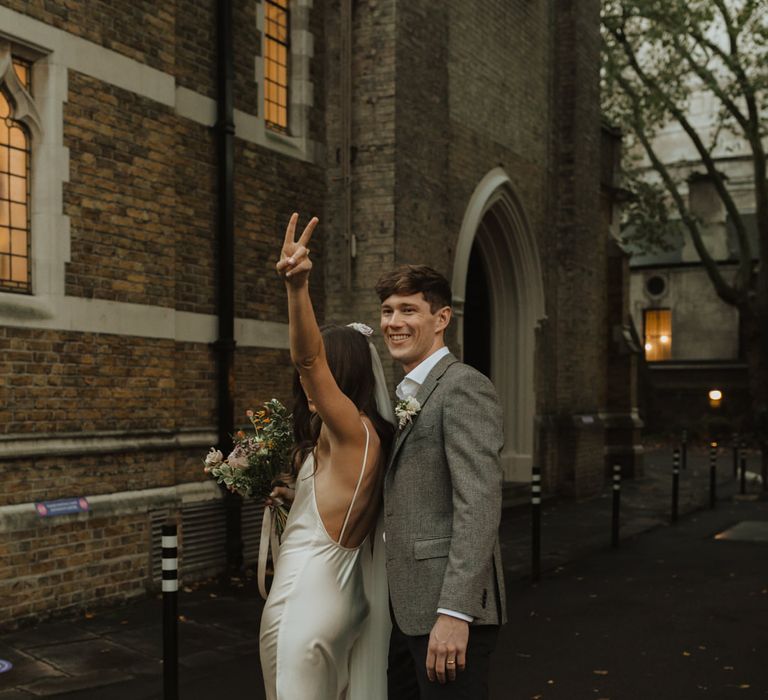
{"x":442,"y":501}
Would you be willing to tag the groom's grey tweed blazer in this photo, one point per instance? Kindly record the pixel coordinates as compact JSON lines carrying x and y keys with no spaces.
{"x":442,"y":503}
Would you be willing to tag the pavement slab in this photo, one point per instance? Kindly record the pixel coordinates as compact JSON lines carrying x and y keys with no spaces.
{"x":93,"y":682}
{"x":89,"y":656}
{"x":42,"y":634}
{"x":25,"y":669}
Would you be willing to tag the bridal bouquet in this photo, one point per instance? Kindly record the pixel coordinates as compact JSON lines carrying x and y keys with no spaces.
{"x":257,"y":460}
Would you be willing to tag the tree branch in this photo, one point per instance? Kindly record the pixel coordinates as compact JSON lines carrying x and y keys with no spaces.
{"x":727,"y":293}
{"x":745,"y":262}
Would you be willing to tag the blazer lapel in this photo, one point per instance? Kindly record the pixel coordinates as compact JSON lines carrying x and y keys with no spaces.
{"x":422,"y":395}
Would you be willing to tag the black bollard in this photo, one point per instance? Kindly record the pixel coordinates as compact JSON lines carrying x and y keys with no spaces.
{"x":170,"y":612}
{"x":743,"y":470}
{"x":536,"y":524}
{"x":616,"y":505}
{"x":675,"y":483}
{"x":684,"y":446}
{"x":735,"y":455}
{"x":712,"y":474}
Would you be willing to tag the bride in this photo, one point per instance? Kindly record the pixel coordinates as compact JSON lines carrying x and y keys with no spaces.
{"x":325,"y":625}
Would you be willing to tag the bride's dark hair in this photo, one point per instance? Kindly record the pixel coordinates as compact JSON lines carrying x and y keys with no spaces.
{"x":349,"y":359}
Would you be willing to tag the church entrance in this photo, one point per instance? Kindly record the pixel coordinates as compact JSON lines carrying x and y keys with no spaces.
{"x":477,"y":315}
{"x":498,"y":302}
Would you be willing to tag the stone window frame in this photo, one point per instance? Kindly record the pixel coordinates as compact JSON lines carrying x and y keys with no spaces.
{"x":300,"y":88}
{"x":43,"y":116}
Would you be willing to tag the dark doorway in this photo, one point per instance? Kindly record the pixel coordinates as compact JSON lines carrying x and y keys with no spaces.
{"x":477,"y":315}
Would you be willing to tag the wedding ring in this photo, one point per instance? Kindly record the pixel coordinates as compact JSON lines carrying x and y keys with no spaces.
{"x":450,"y":662}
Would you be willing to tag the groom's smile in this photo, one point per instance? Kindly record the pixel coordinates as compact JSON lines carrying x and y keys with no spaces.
{"x":412,"y":331}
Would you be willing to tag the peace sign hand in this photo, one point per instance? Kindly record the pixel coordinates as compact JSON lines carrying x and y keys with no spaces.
{"x":294,"y":265}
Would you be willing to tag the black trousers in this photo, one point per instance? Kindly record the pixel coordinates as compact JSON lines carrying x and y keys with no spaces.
{"x":407,"y":669}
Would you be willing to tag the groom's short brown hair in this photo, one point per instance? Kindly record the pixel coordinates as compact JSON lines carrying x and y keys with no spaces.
{"x":412,"y":279}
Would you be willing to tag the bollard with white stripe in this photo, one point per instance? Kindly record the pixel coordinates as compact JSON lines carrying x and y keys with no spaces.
{"x":712,"y":474}
{"x":536,"y":523}
{"x":170,"y":545}
{"x":615,"y":517}
{"x":675,"y":482}
{"x":684,"y":446}
{"x":735,"y":455}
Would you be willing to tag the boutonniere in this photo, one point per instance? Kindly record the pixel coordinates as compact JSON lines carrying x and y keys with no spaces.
{"x":405,"y":411}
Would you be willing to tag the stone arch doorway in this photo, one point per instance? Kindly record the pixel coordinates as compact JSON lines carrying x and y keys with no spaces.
{"x":498,"y":297}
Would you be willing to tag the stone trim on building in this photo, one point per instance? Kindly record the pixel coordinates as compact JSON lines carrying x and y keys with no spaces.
{"x":24,"y":516}
{"x":30,"y":445}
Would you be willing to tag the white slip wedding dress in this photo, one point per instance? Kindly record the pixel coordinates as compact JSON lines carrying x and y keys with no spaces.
{"x":325,"y":626}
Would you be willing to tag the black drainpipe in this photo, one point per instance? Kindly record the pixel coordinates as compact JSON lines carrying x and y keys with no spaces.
{"x":224,"y":347}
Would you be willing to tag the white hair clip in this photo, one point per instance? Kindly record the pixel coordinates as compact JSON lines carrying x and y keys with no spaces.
{"x":367,"y":331}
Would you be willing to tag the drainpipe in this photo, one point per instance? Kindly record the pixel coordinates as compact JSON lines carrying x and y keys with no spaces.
{"x":345,"y":96}
{"x":224,"y":347}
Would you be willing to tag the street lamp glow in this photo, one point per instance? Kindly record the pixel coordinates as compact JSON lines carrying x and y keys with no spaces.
{"x":664,"y":339}
{"x":715,"y":395}
{"x":648,"y":347}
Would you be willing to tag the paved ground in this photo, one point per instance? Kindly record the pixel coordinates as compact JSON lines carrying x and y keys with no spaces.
{"x":672,"y":614}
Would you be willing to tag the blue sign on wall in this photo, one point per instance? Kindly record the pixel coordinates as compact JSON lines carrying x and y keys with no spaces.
{"x":5,"y":665}
{"x":62,"y":506}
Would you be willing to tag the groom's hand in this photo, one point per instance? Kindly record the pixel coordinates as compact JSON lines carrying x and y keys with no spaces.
{"x":447,"y":650}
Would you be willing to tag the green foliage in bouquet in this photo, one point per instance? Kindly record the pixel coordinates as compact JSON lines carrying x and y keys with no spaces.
{"x":260,"y":460}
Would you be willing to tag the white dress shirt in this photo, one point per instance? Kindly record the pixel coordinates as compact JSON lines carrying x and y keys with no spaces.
{"x":410,"y":387}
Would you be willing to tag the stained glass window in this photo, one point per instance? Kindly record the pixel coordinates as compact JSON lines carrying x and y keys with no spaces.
{"x":276,"y":51}
{"x":15,"y":155}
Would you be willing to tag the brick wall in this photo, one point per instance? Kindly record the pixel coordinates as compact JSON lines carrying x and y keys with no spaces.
{"x":577,"y":316}
{"x":70,"y":566}
{"x":373,"y":175}
{"x":142,"y":30}
{"x":121,"y":194}
{"x":142,"y":202}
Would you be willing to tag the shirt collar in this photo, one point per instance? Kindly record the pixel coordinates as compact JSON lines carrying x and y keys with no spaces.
{"x":418,"y":375}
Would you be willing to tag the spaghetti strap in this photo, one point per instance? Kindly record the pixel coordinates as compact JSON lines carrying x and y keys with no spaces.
{"x":359,"y":481}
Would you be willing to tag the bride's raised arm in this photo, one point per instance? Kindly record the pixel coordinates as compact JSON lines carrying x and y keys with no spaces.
{"x":338,"y":412}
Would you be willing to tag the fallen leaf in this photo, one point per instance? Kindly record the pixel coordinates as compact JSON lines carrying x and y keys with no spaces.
{"x":550,"y":682}
{"x":182,"y":618}
{"x":743,"y":686}
{"x":727,"y":668}
{"x":600,"y":672}
{"x":686,"y":653}
{"x":89,"y":616}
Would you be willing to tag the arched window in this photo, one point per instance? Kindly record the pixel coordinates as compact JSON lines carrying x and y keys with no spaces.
{"x":15,"y":155}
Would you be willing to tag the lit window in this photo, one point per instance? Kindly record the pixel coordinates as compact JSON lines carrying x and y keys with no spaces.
{"x":15,"y":155}
{"x":658,"y":334}
{"x":276,"y":50}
